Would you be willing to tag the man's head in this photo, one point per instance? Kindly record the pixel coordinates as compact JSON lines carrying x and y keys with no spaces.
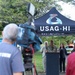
{"x":51,"y":42}
{"x":10,"y":32}
{"x":46,"y":43}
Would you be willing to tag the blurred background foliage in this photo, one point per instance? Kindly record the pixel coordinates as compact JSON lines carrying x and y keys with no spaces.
{"x":59,"y":39}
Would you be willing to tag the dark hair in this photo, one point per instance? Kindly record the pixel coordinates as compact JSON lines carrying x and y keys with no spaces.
{"x":62,"y":44}
{"x":51,"y":41}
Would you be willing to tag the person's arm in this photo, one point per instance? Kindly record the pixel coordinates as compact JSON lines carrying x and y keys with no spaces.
{"x":42,"y":50}
{"x":19,"y":73}
{"x":55,"y":49}
{"x":46,"y":49}
{"x":65,"y":52}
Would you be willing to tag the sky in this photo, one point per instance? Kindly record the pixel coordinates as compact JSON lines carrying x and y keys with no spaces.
{"x":68,"y":10}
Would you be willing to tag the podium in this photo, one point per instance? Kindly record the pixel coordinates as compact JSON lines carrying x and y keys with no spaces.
{"x":52,"y":63}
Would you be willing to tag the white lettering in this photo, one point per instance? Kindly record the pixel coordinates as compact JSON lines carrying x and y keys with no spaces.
{"x":64,"y":28}
{"x":56,"y":28}
{"x":47,"y":28}
{"x":51,"y":28}
{"x":68,"y":28}
{"x":7,"y":55}
{"x":41,"y":28}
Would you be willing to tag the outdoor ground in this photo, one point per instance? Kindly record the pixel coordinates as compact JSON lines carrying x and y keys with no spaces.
{"x":37,"y":60}
{"x":45,"y":74}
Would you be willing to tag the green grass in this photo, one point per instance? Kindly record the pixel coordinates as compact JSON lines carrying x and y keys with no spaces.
{"x":38,"y":61}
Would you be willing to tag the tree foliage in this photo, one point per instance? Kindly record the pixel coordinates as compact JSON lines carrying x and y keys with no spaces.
{"x":13,"y":11}
{"x":16,"y":10}
{"x":59,"y":39}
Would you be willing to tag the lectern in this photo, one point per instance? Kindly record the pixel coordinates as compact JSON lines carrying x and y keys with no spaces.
{"x":52,"y":63}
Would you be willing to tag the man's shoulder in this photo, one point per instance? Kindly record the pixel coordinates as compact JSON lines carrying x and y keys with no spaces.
{"x":8,"y":47}
{"x":55,"y":47}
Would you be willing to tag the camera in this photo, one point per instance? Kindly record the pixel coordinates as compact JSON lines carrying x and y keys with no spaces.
{"x":27,"y":35}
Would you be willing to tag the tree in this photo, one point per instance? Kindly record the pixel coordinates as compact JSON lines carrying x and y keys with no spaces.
{"x":69,"y":1}
{"x":13,"y":11}
{"x":16,"y":10}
